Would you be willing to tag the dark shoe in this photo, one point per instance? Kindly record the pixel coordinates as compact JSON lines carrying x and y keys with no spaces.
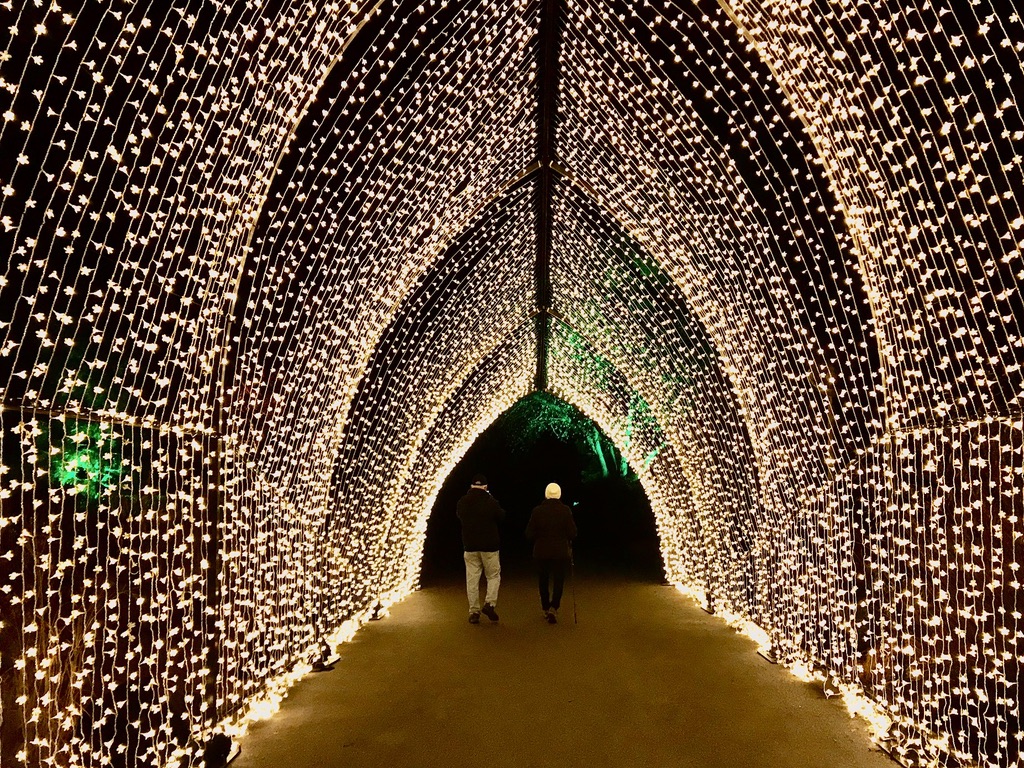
{"x":474,"y":618}
{"x":490,"y":613}
{"x":552,"y":616}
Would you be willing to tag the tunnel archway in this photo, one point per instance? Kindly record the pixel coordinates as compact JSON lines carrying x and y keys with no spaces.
{"x":276,"y":265}
{"x":542,"y":439}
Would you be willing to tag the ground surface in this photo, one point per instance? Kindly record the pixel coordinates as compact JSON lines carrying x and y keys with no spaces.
{"x":644,"y":679}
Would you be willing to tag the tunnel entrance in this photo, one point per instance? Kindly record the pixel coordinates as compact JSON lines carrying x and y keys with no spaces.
{"x":542,"y":439}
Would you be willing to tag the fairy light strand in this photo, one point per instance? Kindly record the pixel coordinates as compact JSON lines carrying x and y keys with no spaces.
{"x":270,"y":274}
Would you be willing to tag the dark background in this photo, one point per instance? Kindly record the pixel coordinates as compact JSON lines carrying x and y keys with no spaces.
{"x":617,"y":534}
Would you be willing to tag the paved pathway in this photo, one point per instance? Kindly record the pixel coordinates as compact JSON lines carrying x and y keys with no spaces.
{"x":644,"y":679}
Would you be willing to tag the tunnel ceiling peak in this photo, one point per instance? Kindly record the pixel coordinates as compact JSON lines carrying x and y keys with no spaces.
{"x":272,"y":266}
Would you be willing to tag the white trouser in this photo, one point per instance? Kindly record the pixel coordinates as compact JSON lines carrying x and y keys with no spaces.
{"x":490,"y":566}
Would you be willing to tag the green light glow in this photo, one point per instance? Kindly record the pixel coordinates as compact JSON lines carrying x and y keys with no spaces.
{"x":541,"y":414}
{"x":88,"y":461}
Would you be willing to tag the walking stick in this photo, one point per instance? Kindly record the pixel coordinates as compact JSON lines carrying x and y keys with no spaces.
{"x":572,"y":578}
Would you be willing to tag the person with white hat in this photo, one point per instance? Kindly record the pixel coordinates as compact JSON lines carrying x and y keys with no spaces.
{"x":551,"y":528}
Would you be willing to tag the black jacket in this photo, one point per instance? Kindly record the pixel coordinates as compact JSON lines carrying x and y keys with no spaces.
{"x":552,"y":528}
{"x":480,"y":513}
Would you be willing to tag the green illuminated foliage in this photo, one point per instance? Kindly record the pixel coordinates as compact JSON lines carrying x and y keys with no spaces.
{"x":542,"y":414}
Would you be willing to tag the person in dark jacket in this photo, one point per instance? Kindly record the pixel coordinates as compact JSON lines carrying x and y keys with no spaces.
{"x":480,"y":514}
{"x":551,"y":528}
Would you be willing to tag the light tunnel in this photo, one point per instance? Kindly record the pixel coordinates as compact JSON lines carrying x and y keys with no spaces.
{"x":272,"y":266}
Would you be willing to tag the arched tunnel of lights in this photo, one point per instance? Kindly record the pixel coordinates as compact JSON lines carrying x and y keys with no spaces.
{"x":271,"y":267}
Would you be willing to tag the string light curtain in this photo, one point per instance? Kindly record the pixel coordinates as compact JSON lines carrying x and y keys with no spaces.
{"x":138,"y":145}
{"x":913,"y":113}
{"x":479,"y":296}
{"x":604,"y":281}
{"x":270,"y":274}
{"x":580,"y":374}
{"x":351,"y":224}
{"x":503,"y":377}
{"x":161,"y":206}
{"x":835,"y":189}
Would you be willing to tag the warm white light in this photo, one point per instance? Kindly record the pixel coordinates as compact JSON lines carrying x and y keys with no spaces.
{"x":270,"y":272}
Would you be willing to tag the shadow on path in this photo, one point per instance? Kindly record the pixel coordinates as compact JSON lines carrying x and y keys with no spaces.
{"x":644,"y":679}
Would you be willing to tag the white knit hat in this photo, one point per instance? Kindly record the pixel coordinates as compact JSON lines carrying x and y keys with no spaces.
{"x":552,"y":491}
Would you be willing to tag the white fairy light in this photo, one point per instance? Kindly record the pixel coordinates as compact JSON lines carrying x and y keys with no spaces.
{"x":271,"y":273}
